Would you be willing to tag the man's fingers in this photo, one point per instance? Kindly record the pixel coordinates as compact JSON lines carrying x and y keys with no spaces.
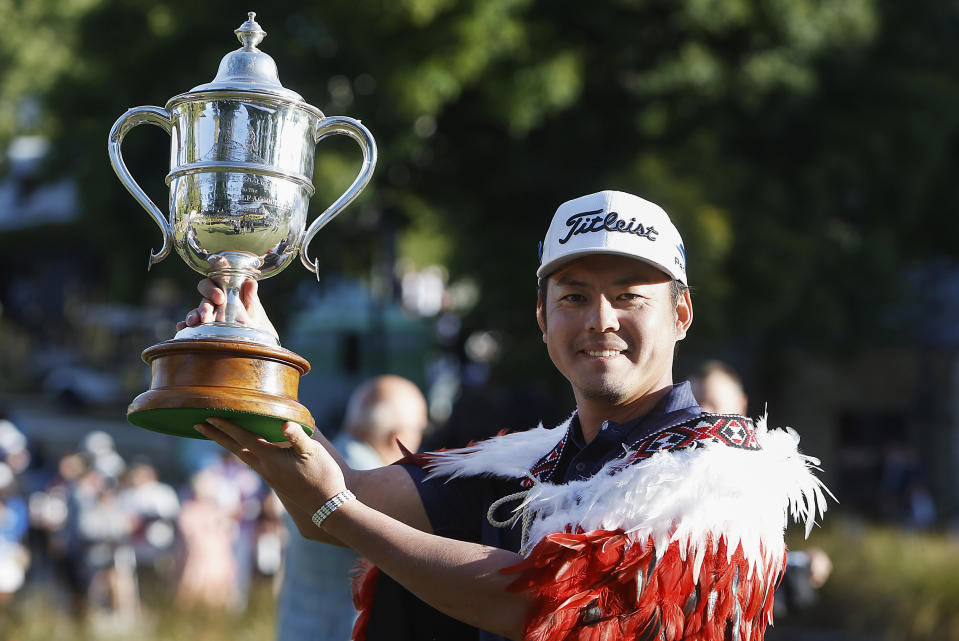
{"x":246,"y":456}
{"x":205,"y":311}
{"x":248,"y":291}
{"x":243,"y":453}
{"x":219,"y":437}
{"x":210,"y":290}
{"x":245,"y":438}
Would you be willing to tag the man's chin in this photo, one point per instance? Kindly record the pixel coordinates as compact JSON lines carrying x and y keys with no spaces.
{"x":609,"y":391}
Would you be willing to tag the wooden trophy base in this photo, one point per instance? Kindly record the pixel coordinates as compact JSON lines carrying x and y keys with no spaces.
{"x":253,"y":385}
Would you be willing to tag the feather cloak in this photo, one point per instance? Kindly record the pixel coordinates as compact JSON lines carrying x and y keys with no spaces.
{"x":680,"y":537}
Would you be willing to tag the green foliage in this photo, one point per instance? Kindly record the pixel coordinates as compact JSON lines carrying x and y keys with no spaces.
{"x":424,"y":241}
{"x":888,"y":583}
{"x":805,"y":147}
{"x":36,"y":615}
{"x":38,"y":48}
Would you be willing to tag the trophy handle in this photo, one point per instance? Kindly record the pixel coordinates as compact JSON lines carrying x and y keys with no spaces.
{"x":355,"y":130}
{"x":133,"y":117}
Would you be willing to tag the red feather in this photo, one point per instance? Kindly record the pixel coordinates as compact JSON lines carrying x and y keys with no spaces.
{"x":601,"y":586}
{"x":364,"y":586}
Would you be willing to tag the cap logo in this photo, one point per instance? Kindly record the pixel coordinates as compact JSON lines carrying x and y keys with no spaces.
{"x":592,"y":221}
{"x":682,"y":252}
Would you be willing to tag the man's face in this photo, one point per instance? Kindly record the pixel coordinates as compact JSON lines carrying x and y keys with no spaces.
{"x":610,"y":326}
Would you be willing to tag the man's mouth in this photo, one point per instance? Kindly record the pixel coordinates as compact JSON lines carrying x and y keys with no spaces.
{"x":603,"y":353}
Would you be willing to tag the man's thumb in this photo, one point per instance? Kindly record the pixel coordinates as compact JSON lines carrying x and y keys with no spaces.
{"x":296,"y":436}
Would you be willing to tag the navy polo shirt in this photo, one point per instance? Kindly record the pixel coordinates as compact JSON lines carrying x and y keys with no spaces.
{"x":457,"y":508}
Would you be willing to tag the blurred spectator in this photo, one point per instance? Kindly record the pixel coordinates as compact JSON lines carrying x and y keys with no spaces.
{"x":13,"y":445}
{"x":240,"y":491}
{"x":14,"y":515}
{"x":154,"y":507}
{"x":88,"y":531}
{"x":903,"y":494}
{"x":381,"y":414}
{"x":719,"y":390}
{"x":106,"y":528}
{"x":806,"y":571}
{"x":57,"y":510}
{"x":208,"y":574}
{"x":272,"y":537}
{"x":316,"y":600}
{"x":14,"y":559}
{"x":100,"y":530}
{"x":98,"y":448}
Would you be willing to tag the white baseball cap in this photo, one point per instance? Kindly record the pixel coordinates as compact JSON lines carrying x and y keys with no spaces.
{"x":613,"y":222}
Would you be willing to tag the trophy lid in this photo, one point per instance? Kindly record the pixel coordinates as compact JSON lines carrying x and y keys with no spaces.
{"x":248,"y":68}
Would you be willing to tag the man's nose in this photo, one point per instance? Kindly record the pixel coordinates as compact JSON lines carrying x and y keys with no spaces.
{"x":602,"y":316}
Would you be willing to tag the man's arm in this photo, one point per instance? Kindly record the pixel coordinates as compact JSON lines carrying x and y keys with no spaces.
{"x":388,"y":525}
{"x":387,"y":489}
{"x":461,"y":579}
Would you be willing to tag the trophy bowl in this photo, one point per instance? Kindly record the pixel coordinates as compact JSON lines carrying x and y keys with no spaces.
{"x":241,"y":179}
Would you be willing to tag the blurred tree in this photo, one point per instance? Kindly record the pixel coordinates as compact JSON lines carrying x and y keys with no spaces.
{"x":804,"y":147}
{"x":36,"y":52}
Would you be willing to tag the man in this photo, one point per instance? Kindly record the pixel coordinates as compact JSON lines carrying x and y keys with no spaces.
{"x":640,"y":517}
{"x":718,"y":388}
{"x":315,"y":600}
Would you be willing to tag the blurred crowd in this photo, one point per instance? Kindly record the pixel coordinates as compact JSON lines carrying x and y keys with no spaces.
{"x":103,"y":534}
{"x":93,"y":529}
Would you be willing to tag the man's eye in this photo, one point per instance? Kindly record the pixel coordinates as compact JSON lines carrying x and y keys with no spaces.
{"x":573,"y":298}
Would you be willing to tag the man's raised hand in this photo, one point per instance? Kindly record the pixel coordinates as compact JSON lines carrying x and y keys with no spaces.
{"x":211,"y":307}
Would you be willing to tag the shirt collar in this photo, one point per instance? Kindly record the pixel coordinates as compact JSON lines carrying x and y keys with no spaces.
{"x":678,"y":404}
{"x":679,"y":398}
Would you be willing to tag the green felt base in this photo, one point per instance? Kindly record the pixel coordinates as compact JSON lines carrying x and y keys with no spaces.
{"x":180,"y":421}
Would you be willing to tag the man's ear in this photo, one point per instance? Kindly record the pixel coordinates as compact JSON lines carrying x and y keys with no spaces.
{"x":541,"y":315}
{"x":684,"y":315}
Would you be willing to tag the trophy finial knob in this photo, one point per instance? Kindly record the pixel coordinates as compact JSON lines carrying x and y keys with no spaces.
{"x":248,"y":68}
{"x":250,"y":33}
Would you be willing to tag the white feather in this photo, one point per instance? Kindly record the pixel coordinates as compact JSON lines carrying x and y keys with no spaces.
{"x":510,"y":455}
{"x":687,"y":496}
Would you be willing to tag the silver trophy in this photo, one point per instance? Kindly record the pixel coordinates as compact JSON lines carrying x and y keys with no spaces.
{"x":241,"y":169}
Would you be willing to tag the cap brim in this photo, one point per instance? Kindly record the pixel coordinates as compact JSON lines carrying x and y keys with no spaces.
{"x":548,"y":268}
